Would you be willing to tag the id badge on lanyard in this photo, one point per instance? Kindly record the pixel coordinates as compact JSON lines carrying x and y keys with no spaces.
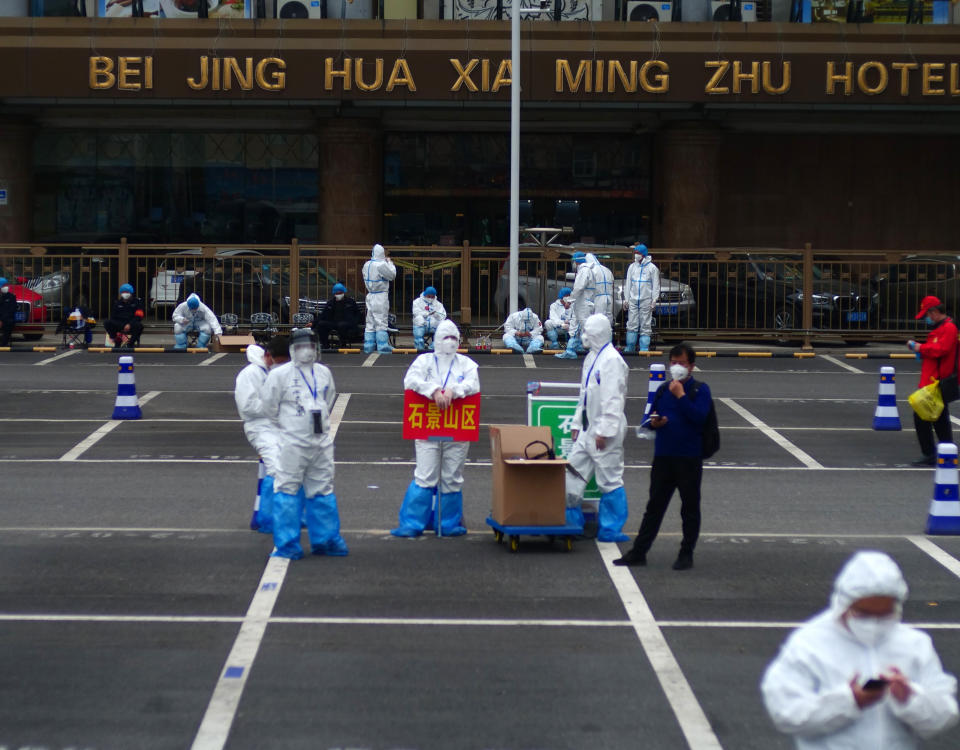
{"x":320,"y":421}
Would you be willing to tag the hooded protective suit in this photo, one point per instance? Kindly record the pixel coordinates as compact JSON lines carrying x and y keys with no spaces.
{"x":560,"y":320}
{"x":643,"y":291}
{"x":194,"y":317}
{"x":806,"y":689}
{"x":427,"y":314}
{"x":378,"y":272}
{"x":260,"y":433}
{"x":603,"y":282}
{"x":600,"y":412}
{"x":439,"y":464}
{"x":523,"y":321}
{"x":299,"y":396}
{"x":584,"y":289}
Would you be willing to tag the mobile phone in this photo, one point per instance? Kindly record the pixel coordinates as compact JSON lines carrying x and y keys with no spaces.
{"x":875,"y":683}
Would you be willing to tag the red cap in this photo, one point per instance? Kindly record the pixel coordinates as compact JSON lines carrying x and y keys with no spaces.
{"x":927,"y":303}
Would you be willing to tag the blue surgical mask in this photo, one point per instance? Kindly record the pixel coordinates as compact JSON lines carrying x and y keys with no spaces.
{"x":928,"y":320}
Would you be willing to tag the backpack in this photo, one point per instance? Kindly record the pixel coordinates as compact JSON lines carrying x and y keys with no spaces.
{"x":711,"y":426}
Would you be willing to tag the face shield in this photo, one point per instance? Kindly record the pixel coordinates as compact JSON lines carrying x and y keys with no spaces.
{"x":303,"y":352}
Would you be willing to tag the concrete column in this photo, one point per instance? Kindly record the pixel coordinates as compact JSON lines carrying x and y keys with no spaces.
{"x":351,"y":182}
{"x":16,"y":177}
{"x":687,"y":182}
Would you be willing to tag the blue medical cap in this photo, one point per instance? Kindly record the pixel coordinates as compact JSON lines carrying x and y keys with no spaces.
{"x":126,"y":288}
{"x":640,"y":248}
{"x":193,"y":302}
{"x":428,"y":291}
{"x":579,"y":257}
{"x":339,"y":289}
{"x":565,"y":292}
{"x":3,"y":281}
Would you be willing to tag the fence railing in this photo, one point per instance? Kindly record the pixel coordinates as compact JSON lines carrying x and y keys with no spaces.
{"x":786,"y":295}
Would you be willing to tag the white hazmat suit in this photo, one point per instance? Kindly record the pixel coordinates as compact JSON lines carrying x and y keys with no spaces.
{"x":378,"y":272}
{"x":561,"y":320}
{"x":643,"y":291}
{"x":600,"y":414}
{"x":193,"y":315}
{"x":428,"y":312}
{"x":523,"y":321}
{"x":603,"y":282}
{"x":807,"y":691}
{"x":439,"y":463}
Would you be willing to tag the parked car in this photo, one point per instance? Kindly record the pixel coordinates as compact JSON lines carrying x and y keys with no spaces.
{"x":31,"y":312}
{"x":87,"y":280}
{"x":901,"y":286}
{"x":180,"y":265}
{"x":242,"y":286}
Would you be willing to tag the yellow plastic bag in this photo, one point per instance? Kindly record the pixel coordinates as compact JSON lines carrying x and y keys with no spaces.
{"x":927,"y":402}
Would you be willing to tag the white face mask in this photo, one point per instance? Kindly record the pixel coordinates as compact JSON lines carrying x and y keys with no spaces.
{"x":872,"y":631}
{"x":678,"y":372}
{"x":338,"y":297}
{"x":639,"y":258}
{"x":448,"y":345}
{"x":305,"y":355}
{"x":4,"y":289}
{"x":125,"y":295}
{"x":429,"y":300}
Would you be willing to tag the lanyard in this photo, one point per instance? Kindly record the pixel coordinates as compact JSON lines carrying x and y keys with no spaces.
{"x":590,"y":372}
{"x":436,"y":363}
{"x":313,"y":391}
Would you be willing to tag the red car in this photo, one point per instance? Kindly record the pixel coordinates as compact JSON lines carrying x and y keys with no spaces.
{"x":31,"y":312}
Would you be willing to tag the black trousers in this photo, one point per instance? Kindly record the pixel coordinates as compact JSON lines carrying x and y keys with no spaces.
{"x":671,"y":473}
{"x":6,"y":329}
{"x":346,"y":331}
{"x":113,"y":327}
{"x":926,"y":430}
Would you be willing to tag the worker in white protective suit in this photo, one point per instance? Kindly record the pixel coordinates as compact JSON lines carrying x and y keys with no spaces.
{"x":522,"y":332}
{"x":598,"y":428}
{"x":378,"y":272}
{"x":560,"y":319}
{"x":443,"y":376}
{"x":260,"y":431}
{"x":581,"y":301}
{"x":643,"y":291}
{"x":299,"y":397}
{"x":603,"y":280}
{"x":193,"y":315}
{"x":817,"y":688}
{"x":428,"y":311}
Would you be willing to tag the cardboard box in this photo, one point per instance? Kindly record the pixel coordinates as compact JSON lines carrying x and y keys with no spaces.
{"x":526,"y":492}
{"x":232,"y":343}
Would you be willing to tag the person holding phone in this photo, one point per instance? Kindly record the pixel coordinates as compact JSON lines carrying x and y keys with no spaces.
{"x":855,"y":676}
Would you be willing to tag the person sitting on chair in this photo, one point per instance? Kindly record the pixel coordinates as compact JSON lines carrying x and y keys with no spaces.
{"x":193,"y":315}
{"x":8,"y":312}
{"x":125,"y":323}
{"x":428,"y":311}
{"x":340,"y":314}
{"x":522,"y":332}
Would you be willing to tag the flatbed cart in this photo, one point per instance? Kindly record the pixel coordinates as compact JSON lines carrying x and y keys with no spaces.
{"x":513,"y":533}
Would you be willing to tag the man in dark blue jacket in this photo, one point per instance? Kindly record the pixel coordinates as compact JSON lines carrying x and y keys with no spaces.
{"x":678,"y":415}
{"x":8,"y":312}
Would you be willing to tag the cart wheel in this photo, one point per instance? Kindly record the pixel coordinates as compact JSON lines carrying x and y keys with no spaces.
{"x":498,"y":535}
{"x":569,"y":543}
{"x":514,"y":543}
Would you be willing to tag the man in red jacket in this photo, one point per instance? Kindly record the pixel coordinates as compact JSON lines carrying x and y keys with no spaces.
{"x":939,"y":359}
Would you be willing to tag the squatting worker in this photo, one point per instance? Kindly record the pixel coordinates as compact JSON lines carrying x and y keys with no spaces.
{"x":8,"y":312}
{"x":342,"y":315}
{"x":522,"y":332}
{"x":428,"y":312}
{"x":816,"y":689}
{"x":126,"y":317}
{"x":643,"y":290}
{"x":678,"y":415}
{"x":598,"y":428}
{"x":193,"y":315}
{"x":560,"y":319}
{"x":378,"y":272}
{"x":299,"y":396}
{"x":444,"y":376}
{"x":938,"y":357}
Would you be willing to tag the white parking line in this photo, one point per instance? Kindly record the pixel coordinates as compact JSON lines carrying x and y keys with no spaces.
{"x":801,"y":456}
{"x":368,"y":362}
{"x":211,"y":360}
{"x":528,"y":361}
{"x":98,"y":434}
{"x":844,"y":365}
{"x":54,"y":359}
{"x":946,"y":560}
{"x":693,"y":721}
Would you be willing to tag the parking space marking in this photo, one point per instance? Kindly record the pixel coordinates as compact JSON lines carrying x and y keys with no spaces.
{"x":528,"y":361}
{"x":368,"y":362}
{"x":59,"y":356}
{"x":842,"y":364}
{"x":690,"y":716}
{"x":222,"y":709}
{"x":944,"y":558}
{"x":807,"y":460}
{"x":211,"y":360}
{"x":93,"y":438}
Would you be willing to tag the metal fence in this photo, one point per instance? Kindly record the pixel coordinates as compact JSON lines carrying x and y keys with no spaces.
{"x":784,"y":295}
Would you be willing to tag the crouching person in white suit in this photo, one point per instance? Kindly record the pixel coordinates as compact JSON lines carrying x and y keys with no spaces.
{"x":193,"y":315}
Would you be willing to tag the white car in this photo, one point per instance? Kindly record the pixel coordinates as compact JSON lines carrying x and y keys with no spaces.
{"x":165,"y":285}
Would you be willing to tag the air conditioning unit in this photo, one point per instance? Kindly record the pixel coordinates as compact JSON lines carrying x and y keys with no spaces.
{"x":660,"y":11}
{"x":721,"y":10}
{"x":300,"y":8}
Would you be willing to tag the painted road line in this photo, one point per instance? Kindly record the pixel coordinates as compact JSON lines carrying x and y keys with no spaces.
{"x":211,"y":360}
{"x":844,"y":365}
{"x":693,"y":721}
{"x":528,"y":361}
{"x":803,"y":457}
{"x":222,"y":708}
{"x":368,"y":362}
{"x":336,"y":414}
{"x":98,"y":434}
{"x":59,"y":356}
{"x":937,"y":553}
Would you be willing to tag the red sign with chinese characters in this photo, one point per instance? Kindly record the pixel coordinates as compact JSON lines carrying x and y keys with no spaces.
{"x":422,"y":419}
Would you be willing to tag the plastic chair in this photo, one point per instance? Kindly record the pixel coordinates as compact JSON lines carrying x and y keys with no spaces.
{"x":392,"y":329}
{"x":77,"y":330}
{"x":302,"y":320}
{"x":263,"y":326}
{"x":229,"y":322}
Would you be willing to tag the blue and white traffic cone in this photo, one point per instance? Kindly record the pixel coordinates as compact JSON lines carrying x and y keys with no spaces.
{"x":886,"y":416}
{"x":126,"y":406}
{"x":944,"y":515}
{"x":658,"y":376}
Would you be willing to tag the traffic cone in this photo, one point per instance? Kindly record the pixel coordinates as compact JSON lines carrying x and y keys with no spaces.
{"x":886,"y":416}
{"x":658,"y":375}
{"x":944,"y":515}
{"x":126,"y":406}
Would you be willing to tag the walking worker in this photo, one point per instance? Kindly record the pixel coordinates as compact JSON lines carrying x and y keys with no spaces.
{"x":340,"y":314}
{"x":560,"y":318}
{"x":581,"y":300}
{"x":444,"y":376}
{"x":299,"y":396}
{"x":378,"y":272}
{"x":855,"y":676}
{"x":678,"y":415}
{"x":428,"y":311}
{"x":603,"y":280}
{"x":938,"y":358}
{"x":522,"y":332}
{"x":8,"y":312}
{"x":126,"y":317}
{"x":643,"y":291}
{"x":598,"y":428}
{"x":193,"y":315}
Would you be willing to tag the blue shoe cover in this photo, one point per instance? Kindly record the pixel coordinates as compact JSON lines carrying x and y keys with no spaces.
{"x":535,"y":347}
{"x":323,"y":525}
{"x":286,"y":525}
{"x":451,"y":511}
{"x":612,"y":516}
{"x":203,"y":339}
{"x":414,"y":511}
{"x":265,"y":513}
{"x":181,"y":340}
{"x":383,"y":342}
{"x":334,"y":548}
{"x":631,"y":342}
{"x":369,"y":342}
{"x":254,"y":522}
{"x":566,"y":354}
{"x":644,"y":344}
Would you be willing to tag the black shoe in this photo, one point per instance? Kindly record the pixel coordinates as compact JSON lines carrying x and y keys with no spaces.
{"x":683,"y":562}
{"x":925,"y":461}
{"x":632,"y":558}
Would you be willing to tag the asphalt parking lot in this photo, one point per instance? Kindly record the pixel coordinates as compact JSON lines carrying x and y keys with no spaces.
{"x":137,"y":610}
